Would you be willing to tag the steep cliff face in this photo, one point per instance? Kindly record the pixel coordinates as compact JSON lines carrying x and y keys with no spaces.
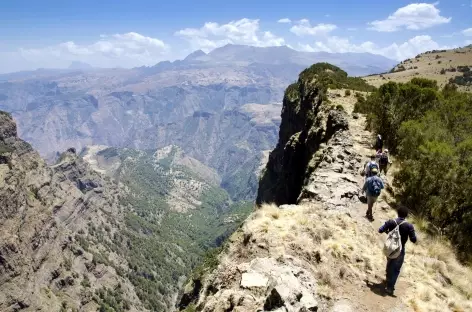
{"x":308,"y":121}
{"x":64,"y":238}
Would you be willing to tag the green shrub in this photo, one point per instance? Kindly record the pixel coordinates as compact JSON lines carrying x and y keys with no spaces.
{"x":430,"y":131}
{"x":347,"y":92}
{"x":4,"y":148}
{"x":5,"y":114}
{"x":85,"y":282}
{"x":339,"y":107}
{"x":333,"y":77}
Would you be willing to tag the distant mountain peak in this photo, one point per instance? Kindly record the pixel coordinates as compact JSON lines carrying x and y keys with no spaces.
{"x":194,"y":55}
{"x":80,"y":65}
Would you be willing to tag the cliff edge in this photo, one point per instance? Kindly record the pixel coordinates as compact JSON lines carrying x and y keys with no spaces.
{"x":308,"y":247}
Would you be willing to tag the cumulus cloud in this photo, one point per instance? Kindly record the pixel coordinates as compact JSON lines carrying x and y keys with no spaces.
{"x":467,"y":32}
{"x":395,"y":51}
{"x":244,"y":31}
{"x":304,"y":28}
{"x":119,"y":50}
{"x":284,"y":21}
{"x":414,"y":16}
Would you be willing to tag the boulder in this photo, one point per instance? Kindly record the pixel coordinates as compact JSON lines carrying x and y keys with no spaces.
{"x":253,"y":280}
{"x":308,"y":303}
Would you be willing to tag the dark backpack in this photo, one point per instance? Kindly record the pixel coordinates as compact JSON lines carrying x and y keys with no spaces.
{"x":383,"y":159}
{"x":379,"y":144}
{"x":375,"y":186}
{"x":373,"y":165}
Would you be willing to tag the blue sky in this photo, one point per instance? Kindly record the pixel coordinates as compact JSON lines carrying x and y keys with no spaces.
{"x":35,"y":33}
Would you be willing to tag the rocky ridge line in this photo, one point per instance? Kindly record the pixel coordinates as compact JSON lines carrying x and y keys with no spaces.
{"x":321,"y":254}
{"x":314,"y":164}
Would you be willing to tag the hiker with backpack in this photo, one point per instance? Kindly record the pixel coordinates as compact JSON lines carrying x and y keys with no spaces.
{"x":378,"y":143}
{"x":372,"y":164}
{"x":399,"y":230}
{"x":373,"y":186}
{"x":384,"y":161}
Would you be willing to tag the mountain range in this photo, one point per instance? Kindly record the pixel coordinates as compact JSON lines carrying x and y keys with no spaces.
{"x":167,"y":167}
{"x":199,"y":103}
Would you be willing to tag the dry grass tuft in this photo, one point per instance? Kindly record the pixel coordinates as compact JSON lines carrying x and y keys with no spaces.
{"x":275,"y":214}
{"x":341,"y":250}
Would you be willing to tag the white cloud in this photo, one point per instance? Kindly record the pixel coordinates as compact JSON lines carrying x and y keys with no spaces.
{"x":119,"y":50}
{"x":304,"y":28}
{"x":468,"y":42}
{"x":395,"y":51}
{"x":467,"y":32}
{"x":244,"y":31}
{"x":284,"y":21}
{"x":414,"y":16}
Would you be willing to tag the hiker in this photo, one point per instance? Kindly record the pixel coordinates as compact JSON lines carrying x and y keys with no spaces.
{"x":379,"y":143}
{"x":378,"y":154}
{"x":384,"y":161}
{"x":373,"y":186}
{"x":372,"y":164}
{"x":406,"y":231}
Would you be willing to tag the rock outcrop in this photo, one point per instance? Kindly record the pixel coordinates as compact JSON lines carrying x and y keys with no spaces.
{"x":49,"y":258}
{"x":309,"y":122}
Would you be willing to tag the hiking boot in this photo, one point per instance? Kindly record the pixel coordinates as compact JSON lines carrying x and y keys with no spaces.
{"x":389,"y":291}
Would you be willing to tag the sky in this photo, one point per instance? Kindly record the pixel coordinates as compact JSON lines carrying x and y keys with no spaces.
{"x":53,"y":33}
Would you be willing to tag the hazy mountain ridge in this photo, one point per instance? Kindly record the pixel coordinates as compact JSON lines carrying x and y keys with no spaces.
{"x":196,"y":103}
{"x":207,"y":110}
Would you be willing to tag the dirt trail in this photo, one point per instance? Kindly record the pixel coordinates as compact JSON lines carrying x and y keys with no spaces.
{"x":370,"y":295}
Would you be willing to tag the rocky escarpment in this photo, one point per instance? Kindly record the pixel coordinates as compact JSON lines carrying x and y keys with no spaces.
{"x":321,"y":254}
{"x":58,"y":226}
{"x":308,"y":124}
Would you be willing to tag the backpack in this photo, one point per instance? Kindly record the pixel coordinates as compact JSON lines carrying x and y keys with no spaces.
{"x":375,"y":186}
{"x":373,"y":165}
{"x":383,"y":159}
{"x":393,"y":244}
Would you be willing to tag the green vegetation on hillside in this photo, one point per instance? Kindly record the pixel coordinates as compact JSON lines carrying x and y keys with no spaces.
{"x":162,"y":245}
{"x":431,"y":132}
{"x":465,"y":79}
{"x":334,"y":77}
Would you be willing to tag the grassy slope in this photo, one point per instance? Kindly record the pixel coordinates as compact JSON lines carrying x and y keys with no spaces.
{"x":428,"y":65}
